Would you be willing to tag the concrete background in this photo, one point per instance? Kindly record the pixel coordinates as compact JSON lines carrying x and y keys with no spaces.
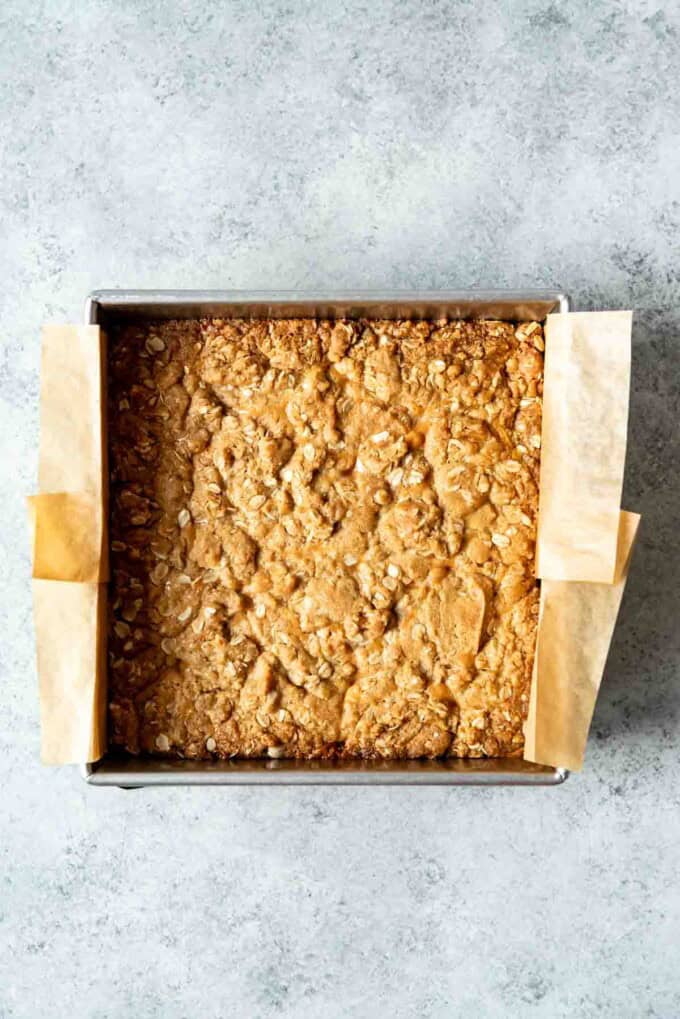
{"x":330,"y":144}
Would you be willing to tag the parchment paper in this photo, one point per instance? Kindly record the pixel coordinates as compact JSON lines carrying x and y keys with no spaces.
{"x":70,"y":626}
{"x":576,"y":624}
{"x":585,"y":418}
{"x":67,"y":537}
{"x":584,"y":541}
{"x":70,"y":548}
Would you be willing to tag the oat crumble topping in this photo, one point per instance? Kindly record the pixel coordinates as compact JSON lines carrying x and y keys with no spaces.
{"x":322,"y":537}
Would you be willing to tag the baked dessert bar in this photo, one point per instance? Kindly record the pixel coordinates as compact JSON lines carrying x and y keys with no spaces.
{"x":322,"y":537}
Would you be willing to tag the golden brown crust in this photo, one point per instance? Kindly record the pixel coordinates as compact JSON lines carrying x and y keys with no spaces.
{"x":323,"y":537}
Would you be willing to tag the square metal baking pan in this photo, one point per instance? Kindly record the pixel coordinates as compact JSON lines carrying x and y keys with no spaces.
{"x":106,"y":307}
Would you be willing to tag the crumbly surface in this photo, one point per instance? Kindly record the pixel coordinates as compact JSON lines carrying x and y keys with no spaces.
{"x":322,"y":537}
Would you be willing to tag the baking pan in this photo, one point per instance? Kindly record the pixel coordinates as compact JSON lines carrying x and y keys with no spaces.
{"x":105,"y":308}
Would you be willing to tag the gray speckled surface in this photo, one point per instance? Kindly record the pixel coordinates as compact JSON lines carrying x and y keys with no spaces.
{"x":290,"y":144}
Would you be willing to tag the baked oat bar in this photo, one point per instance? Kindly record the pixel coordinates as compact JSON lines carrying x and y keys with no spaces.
{"x":322,"y":537}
